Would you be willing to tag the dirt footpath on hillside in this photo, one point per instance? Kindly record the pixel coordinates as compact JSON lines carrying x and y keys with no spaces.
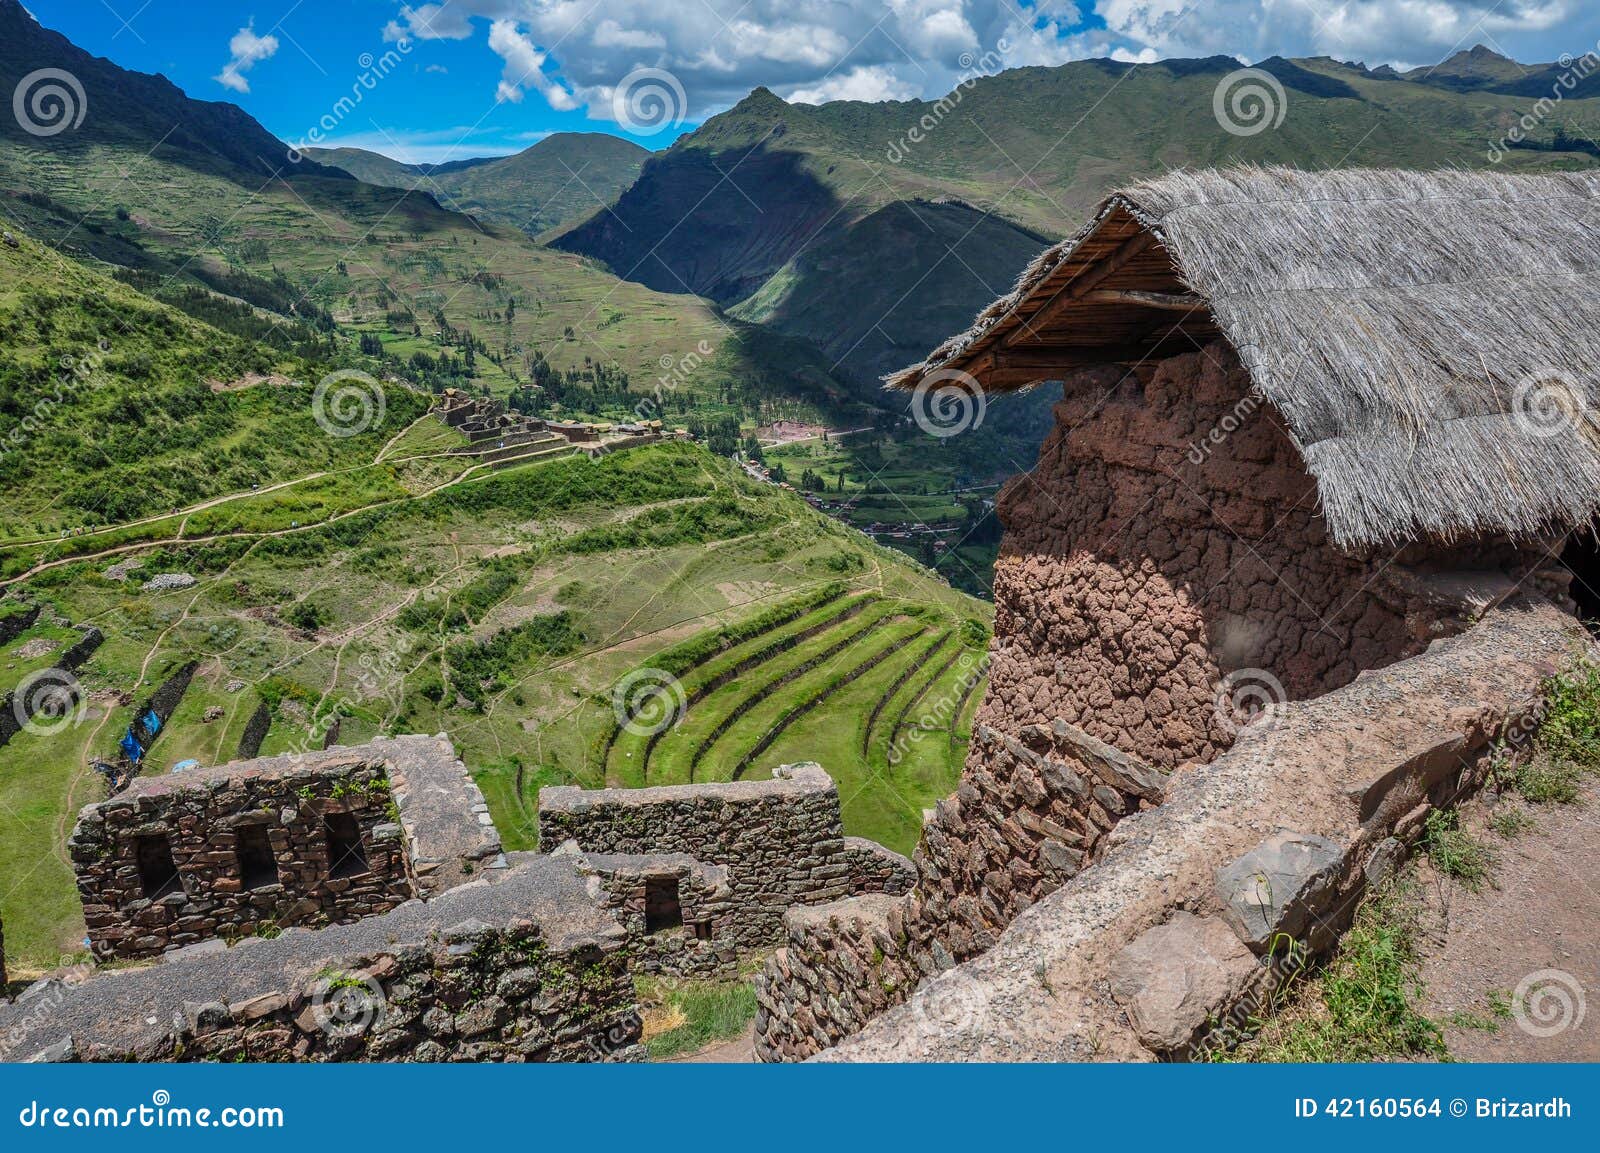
{"x":1536,"y":926}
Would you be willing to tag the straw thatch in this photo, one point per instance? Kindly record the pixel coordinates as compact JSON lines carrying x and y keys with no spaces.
{"x":1431,"y":339}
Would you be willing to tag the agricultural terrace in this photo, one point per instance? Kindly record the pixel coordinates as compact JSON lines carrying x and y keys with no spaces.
{"x":503,"y":607}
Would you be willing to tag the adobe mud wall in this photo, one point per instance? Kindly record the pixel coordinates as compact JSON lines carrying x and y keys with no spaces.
{"x":526,"y":968}
{"x":779,"y":842}
{"x":1168,"y":537}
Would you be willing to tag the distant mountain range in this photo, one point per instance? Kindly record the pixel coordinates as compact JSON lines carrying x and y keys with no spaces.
{"x":876,"y":229}
{"x":865,"y":231}
{"x":562,"y":179}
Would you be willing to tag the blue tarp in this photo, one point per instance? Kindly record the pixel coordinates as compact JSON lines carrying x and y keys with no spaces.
{"x":130,"y":745}
{"x":151,"y":723}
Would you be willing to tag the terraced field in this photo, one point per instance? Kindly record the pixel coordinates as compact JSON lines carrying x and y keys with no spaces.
{"x":878,"y":689}
{"x":502,"y":609}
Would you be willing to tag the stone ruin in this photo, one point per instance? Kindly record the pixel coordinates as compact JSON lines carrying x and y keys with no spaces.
{"x":252,"y":846}
{"x":356,"y":904}
{"x":700,"y":875}
{"x":1110,"y":685}
{"x":498,"y":437}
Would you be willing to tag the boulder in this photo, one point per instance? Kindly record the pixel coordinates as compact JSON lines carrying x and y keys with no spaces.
{"x":1279,"y":887}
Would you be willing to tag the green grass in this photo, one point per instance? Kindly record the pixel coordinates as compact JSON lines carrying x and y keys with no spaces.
{"x":1365,"y":1005}
{"x":1455,"y":852}
{"x":499,"y":547}
{"x":695,"y":1013}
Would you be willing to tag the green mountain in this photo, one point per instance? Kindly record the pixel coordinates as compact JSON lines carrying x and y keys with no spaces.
{"x":775,"y":209}
{"x":129,"y":110}
{"x":199,"y":207}
{"x":562,"y":179}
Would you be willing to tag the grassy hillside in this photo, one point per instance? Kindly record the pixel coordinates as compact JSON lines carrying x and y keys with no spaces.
{"x":562,"y":179}
{"x":504,"y":609}
{"x":114,"y":407}
{"x":193,"y":195}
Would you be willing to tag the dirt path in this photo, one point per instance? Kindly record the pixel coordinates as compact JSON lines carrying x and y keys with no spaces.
{"x":741,"y":1050}
{"x":1537,"y":927}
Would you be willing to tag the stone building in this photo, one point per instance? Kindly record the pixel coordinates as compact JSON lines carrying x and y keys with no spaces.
{"x":255,"y":846}
{"x":1314,"y":429}
{"x":702,"y":874}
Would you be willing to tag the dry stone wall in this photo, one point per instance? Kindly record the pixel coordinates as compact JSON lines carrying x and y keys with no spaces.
{"x":1166,"y":544}
{"x":1028,"y":815}
{"x":695,"y":937}
{"x":179,"y":858}
{"x":15,"y":713}
{"x":1161,"y":948}
{"x":779,"y":842}
{"x":256,"y":845}
{"x":527,"y":968}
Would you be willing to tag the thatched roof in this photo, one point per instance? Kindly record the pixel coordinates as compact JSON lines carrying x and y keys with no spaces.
{"x":1411,"y":328}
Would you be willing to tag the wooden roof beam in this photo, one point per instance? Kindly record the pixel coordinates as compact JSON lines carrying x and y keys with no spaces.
{"x":1085,"y":282}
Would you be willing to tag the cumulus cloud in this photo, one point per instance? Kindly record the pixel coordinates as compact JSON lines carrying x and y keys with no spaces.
{"x":574,"y":53}
{"x":874,"y":83}
{"x":524,"y":67}
{"x":248,"y":50}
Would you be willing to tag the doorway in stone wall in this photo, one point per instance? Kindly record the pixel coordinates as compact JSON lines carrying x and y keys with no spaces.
{"x":1581,"y":557}
{"x":158,"y":873}
{"x":347,"y":857}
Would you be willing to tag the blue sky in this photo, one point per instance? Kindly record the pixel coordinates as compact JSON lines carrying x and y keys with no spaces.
{"x":454,"y":78}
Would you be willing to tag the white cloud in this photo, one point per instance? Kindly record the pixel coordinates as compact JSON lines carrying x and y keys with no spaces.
{"x":524,"y":66}
{"x":435,"y":147}
{"x":575,"y":52}
{"x":432,"y":22}
{"x":248,"y":50}
{"x":869,"y":83}
{"x":610,"y":34}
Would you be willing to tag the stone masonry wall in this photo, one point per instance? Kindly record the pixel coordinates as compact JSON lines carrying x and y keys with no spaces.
{"x":1027,"y":817}
{"x":1167,"y":539}
{"x":1169,"y":536}
{"x":201,"y":817}
{"x":1176,"y":937}
{"x":15,"y":713}
{"x":703,"y":945}
{"x":781,"y":842}
{"x":526,"y":968}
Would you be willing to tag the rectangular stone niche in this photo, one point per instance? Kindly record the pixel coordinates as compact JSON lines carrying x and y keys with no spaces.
{"x":258,"y":869}
{"x":663,"y":909}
